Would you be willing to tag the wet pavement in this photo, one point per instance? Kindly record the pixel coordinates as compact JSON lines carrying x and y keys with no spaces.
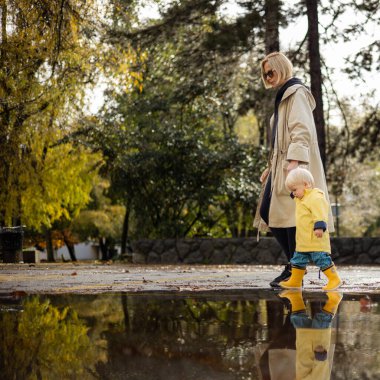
{"x":232,"y":335}
{"x":86,"y":278}
{"x":189,"y":322}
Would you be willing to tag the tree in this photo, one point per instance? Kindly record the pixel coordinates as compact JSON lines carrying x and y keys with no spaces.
{"x":101,"y":221}
{"x":56,"y":183}
{"x":172,"y":145}
{"x":353,"y":158}
{"x":316,"y":74}
{"x":45,"y":62}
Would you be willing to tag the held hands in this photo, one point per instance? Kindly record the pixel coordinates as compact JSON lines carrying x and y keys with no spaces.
{"x":292,"y":165}
{"x":318,"y":232}
{"x":264,"y":175}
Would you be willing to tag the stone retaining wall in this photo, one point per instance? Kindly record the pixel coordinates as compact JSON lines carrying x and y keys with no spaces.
{"x":245,"y":251}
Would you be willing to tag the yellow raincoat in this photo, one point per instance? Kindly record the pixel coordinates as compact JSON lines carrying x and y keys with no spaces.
{"x":312,"y":211}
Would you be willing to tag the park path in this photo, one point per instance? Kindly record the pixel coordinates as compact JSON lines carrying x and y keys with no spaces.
{"x":91,"y":278}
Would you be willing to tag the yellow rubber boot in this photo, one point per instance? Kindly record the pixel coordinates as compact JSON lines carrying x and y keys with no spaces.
{"x":332,"y":303}
{"x":295,"y":298}
{"x":295,"y":280}
{"x":334,"y":279}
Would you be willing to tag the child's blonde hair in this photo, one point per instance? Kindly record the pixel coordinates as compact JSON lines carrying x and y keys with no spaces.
{"x":299,"y":176}
{"x":280,"y":63}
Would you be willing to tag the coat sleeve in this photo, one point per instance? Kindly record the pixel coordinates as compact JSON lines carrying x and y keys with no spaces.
{"x":300,"y":122}
{"x":319,"y":208}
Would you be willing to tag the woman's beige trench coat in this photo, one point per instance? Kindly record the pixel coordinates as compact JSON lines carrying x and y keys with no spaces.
{"x":296,"y":139}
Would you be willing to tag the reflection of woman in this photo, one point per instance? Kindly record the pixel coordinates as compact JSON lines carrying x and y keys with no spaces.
{"x":294,"y":142}
{"x":278,"y":360}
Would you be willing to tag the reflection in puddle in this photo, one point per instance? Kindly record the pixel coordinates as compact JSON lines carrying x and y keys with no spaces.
{"x":246,"y":335}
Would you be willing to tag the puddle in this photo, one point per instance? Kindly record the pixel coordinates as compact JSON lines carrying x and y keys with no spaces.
{"x":229,"y":335}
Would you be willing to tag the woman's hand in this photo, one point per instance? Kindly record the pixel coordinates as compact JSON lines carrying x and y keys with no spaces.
{"x":318,"y":233}
{"x":264,"y":175}
{"x":292,"y":165}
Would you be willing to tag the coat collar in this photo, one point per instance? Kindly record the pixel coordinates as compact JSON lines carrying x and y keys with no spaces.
{"x":292,"y":89}
{"x":310,"y":191}
{"x":307,"y":192}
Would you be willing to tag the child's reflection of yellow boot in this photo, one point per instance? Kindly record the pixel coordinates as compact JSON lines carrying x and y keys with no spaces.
{"x":295,"y":298}
{"x":295,"y":280}
{"x":332,"y":303}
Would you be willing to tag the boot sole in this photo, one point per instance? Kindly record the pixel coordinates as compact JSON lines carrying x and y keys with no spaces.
{"x":277,"y":284}
{"x":290,"y":287}
{"x":330,"y":290}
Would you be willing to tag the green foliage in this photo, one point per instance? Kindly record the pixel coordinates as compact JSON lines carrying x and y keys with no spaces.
{"x":106,"y":222}
{"x":101,"y":221}
{"x":176,"y":167}
{"x":44,"y":342}
{"x":173,"y":155}
{"x":183,"y":92}
{"x":353,"y":171}
{"x":360,"y":205}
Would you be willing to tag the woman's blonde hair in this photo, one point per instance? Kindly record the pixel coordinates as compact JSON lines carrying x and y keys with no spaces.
{"x":299,"y":176}
{"x":280,"y":64}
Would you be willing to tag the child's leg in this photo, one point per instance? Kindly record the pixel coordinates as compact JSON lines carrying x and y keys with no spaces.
{"x":299,"y":262}
{"x":301,"y":321}
{"x":323,"y":319}
{"x":323,"y":260}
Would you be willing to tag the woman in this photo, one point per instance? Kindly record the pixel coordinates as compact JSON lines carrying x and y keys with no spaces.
{"x":294,"y":143}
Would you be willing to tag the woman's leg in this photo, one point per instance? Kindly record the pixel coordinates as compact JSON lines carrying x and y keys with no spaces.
{"x":286,"y":237}
{"x":291,"y":231}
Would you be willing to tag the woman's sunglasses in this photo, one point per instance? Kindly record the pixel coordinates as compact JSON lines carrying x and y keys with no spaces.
{"x":269,"y":74}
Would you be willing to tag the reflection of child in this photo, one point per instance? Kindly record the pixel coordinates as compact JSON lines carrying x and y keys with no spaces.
{"x":312,"y":237}
{"x":313,"y":336}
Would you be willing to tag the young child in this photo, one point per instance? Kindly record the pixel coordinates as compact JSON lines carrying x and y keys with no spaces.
{"x":312,"y":237}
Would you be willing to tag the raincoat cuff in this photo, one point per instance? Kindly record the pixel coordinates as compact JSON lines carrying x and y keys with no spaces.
{"x":298,"y":152}
{"x":320,"y":225}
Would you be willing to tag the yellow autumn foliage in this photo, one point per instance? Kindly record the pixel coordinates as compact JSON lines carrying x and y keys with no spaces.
{"x":44,"y":342}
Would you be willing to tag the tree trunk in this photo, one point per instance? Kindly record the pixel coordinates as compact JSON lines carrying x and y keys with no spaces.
{"x":124,"y":235}
{"x":70,"y":246}
{"x":272,"y":22}
{"x":49,"y":245}
{"x":4,"y":11}
{"x":124,"y":302}
{"x":316,"y":74}
{"x":4,"y":118}
{"x":272,"y":43}
{"x":103,"y":248}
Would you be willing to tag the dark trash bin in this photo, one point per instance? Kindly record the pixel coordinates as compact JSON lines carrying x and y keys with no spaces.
{"x":11,"y":244}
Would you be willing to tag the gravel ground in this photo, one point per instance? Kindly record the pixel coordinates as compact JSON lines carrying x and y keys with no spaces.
{"x":91,"y":278}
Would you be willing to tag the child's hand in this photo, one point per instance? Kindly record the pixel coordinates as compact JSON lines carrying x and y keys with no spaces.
{"x":318,"y":232}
